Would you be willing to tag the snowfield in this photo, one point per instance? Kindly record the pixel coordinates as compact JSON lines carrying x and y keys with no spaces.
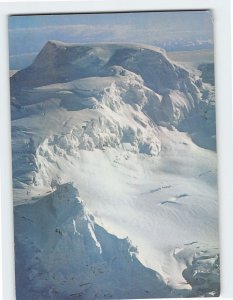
{"x":115,"y":175}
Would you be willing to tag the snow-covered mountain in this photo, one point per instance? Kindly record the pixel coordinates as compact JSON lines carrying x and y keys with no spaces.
{"x":135,"y":133}
{"x":69,"y":256}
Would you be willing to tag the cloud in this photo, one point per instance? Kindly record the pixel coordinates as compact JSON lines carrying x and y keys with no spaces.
{"x":33,"y":39}
{"x":130,"y":28}
{"x":114,"y":32}
{"x":72,"y":29}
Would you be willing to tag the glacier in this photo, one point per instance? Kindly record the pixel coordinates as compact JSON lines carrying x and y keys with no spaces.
{"x":115,"y":175}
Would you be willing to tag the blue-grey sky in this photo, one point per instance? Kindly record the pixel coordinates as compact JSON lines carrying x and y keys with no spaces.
{"x":28,"y":34}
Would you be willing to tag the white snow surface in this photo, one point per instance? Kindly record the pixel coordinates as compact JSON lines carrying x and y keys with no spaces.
{"x":135,"y":134}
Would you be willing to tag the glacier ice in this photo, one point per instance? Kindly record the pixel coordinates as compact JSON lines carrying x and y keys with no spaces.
{"x":134,"y":132}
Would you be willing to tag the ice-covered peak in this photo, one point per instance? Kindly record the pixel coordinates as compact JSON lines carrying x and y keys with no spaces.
{"x":62,"y":253}
{"x":116,"y":120}
{"x":47,"y":55}
{"x":59,"y":62}
{"x":56,"y":43}
{"x":65,"y":197}
{"x":106,"y":45}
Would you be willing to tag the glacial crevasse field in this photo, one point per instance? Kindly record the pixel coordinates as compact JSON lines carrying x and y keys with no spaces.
{"x":114,"y":173}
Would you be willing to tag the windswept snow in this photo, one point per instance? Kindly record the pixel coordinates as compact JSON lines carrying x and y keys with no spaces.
{"x":91,"y":264}
{"x":135,"y":133}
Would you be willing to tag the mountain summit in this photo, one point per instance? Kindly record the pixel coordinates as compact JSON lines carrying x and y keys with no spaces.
{"x":135,"y":133}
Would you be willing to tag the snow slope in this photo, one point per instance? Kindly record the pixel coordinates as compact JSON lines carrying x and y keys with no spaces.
{"x":63,"y":254}
{"x":135,"y":133}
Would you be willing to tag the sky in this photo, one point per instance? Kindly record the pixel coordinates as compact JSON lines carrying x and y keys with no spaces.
{"x":28,"y":34}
